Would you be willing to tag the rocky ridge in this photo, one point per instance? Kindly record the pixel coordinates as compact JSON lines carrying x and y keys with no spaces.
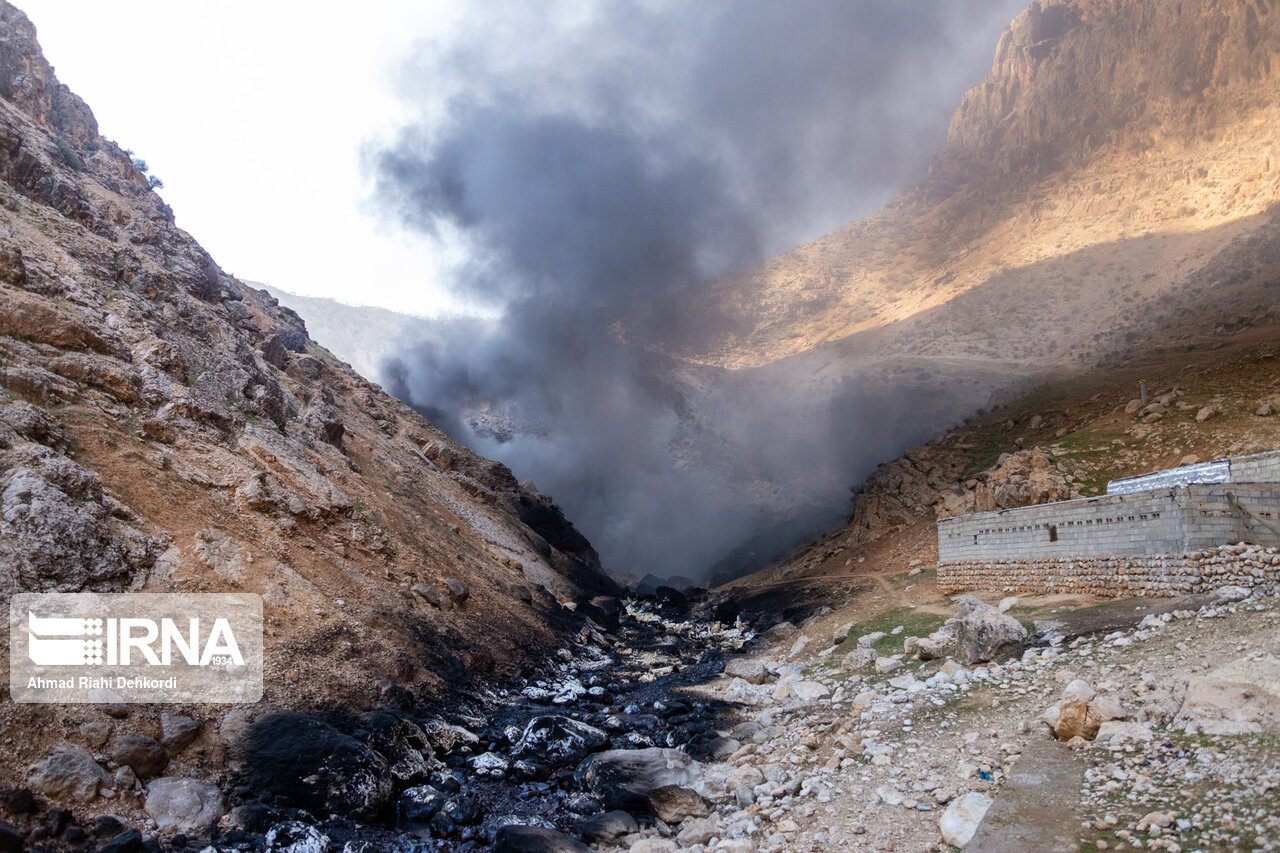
{"x":165,"y":427}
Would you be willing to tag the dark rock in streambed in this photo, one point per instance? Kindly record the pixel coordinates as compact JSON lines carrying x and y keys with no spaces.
{"x":623,"y":778}
{"x":293,"y":836}
{"x":631,"y":723}
{"x":726,"y":612}
{"x":313,"y":766}
{"x":536,"y":839}
{"x":608,"y":827}
{"x":403,"y":744}
{"x":129,"y":841}
{"x":669,"y":596}
{"x":11,"y":840}
{"x":417,"y":807}
{"x":557,"y":740}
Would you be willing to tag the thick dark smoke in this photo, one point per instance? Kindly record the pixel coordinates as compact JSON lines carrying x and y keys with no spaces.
{"x":587,"y":158}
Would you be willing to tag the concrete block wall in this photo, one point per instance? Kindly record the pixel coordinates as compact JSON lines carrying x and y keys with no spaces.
{"x":1166,"y":521}
{"x":1257,"y":468}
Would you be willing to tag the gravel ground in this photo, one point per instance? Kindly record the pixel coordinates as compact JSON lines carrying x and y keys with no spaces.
{"x":870,"y":761}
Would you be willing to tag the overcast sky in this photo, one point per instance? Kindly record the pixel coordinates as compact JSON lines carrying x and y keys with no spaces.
{"x":254,"y":114}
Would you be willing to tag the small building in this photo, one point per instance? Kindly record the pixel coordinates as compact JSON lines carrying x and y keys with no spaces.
{"x":1151,"y":534}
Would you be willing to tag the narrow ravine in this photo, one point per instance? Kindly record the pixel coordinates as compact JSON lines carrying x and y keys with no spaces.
{"x":515,"y":755}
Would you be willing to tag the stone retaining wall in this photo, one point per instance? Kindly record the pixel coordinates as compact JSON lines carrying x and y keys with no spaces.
{"x":1151,"y":574}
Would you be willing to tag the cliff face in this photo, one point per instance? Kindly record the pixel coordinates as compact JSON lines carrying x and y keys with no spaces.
{"x":1073,"y":80}
{"x":164,"y":427}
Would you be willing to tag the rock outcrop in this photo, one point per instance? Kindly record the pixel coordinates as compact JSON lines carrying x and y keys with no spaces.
{"x":165,"y":427}
{"x":1067,"y":84}
{"x":927,"y":482}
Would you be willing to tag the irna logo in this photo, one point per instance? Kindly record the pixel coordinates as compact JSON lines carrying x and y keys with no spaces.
{"x":109,"y":648}
{"x":92,"y":641}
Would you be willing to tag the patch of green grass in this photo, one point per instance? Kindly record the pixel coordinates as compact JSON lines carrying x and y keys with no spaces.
{"x":916,"y":623}
{"x":908,"y":579}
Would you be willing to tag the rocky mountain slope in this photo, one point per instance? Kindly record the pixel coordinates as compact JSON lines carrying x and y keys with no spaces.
{"x":164,"y":426}
{"x":1113,"y":173}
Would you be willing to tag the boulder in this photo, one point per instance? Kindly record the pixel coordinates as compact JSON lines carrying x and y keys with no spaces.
{"x":608,"y":827}
{"x":129,"y":841}
{"x":1121,"y":731}
{"x":493,"y":765}
{"x":11,"y":840}
{"x":939,"y":644}
{"x":654,"y":845}
{"x":981,"y":630}
{"x":1072,"y":718}
{"x":177,"y":731}
{"x":184,"y":805}
{"x":312,"y":765}
{"x":456,"y":590}
{"x":781,"y":631}
{"x":866,"y":641}
{"x":960,"y":821}
{"x":1231,"y":593}
{"x":417,"y":806}
{"x":403,"y":744}
{"x":294,"y":836}
{"x":858,"y":658}
{"x":555,"y":740}
{"x":516,"y":838}
{"x":884,"y":666}
{"x":1108,"y":709}
{"x":696,"y":831}
{"x":750,"y":670}
{"x":1242,"y":697}
{"x":672,"y":803}
{"x":68,"y":773}
{"x":427,"y":593}
{"x":623,"y":778}
{"x":145,"y":755}
{"x":1079,"y":689}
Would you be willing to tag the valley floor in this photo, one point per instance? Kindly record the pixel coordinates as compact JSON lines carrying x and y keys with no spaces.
{"x":863,"y":760}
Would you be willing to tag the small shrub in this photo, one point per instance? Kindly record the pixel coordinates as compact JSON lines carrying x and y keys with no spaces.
{"x":69,"y":155}
{"x":140,"y":164}
{"x":154,"y":182}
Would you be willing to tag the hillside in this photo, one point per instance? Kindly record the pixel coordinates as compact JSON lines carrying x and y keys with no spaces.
{"x":1114,"y":173}
{"x":165,"y":427}
{"x":1214,"y":396}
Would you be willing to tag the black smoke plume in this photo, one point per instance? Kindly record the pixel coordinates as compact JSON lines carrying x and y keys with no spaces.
{"x":584,"y":159}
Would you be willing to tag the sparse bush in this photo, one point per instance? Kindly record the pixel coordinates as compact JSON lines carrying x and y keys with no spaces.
{"x":154,"y":182}
{"x":69,"y":155}
{"x":140,"y":164}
